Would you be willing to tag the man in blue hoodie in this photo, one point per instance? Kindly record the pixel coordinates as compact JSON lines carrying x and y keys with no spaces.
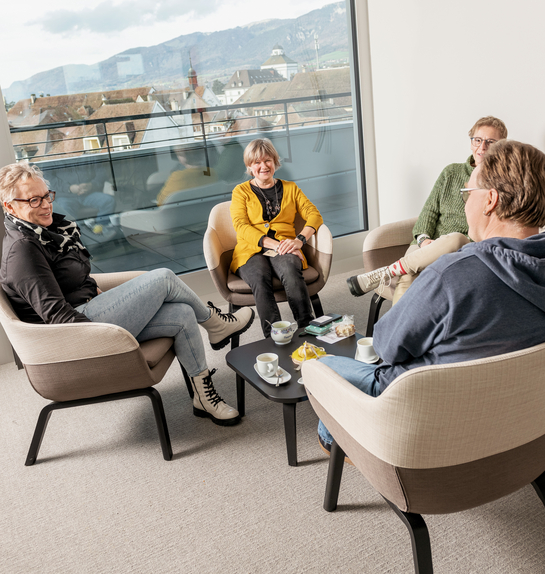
{"x":486,"y":299}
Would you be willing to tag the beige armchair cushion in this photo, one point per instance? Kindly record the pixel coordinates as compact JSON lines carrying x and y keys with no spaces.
{"x":442,"y":438}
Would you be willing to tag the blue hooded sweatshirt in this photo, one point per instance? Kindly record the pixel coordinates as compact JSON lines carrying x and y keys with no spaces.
{"x":484,"y":300}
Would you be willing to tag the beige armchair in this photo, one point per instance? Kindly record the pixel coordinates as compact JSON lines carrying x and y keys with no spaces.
{"x":439,"y":439}
{"x":75,"y":364}
{"x":382,"y":246}
{"x":220,"y":240}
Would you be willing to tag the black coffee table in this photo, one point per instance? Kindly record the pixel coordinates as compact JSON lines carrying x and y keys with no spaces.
{"x":242,"y":361}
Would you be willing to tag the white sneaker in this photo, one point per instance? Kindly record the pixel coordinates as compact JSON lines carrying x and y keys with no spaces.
{"x":376,"y":279}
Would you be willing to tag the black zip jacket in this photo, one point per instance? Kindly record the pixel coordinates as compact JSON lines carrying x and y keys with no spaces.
{"x":43,"y":285}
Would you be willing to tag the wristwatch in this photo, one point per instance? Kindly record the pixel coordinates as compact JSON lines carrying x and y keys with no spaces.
{"x":302,"y":238}
{"x":421,"y":238}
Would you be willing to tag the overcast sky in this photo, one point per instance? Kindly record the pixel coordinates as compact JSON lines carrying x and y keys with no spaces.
{"x":36,"y":36}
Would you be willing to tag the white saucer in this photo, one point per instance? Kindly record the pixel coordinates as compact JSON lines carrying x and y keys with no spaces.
{"x":272,"y":380}
{"x":372,"y":361}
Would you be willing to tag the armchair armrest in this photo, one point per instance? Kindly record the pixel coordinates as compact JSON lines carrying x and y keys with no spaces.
{"x":218,"y":256}
{"x":355,"y":411}
{"x":319,"y":251}
{"x":41,"y":344}
{"x":387,"y":243}
{"x":213,"y":248}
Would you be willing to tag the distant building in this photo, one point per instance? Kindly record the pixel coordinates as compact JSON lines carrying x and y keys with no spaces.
{"x":260,"y":93}
{"x":192,"y":77}
{"x":194,"y":96}
{"x":260,"y":100}
{"x":49,"y":109}
{"x":73,"y":140}
{"x":243,"y":80}
{"x":281,"y":63}
{"x":246,"y":125}
{"x":198,"y":99}
{"x":186,"y":98}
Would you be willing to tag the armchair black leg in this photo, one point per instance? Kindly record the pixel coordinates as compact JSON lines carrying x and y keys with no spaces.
{"x":39,"y":432}
{"x":161,"y":421}
{"x":334,"y":475}
{"x":150,"y":392}
{"x":317,"y":305}
{"x":374,"y":310}
{"x":420,"y":539}
{"x":235,"y":341}
{"x":539,"y":487}
{"x":187,"y":382}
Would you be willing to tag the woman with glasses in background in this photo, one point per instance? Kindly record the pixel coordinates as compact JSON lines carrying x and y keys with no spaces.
{"x":442,"y":226}
{"x":46,"y":275}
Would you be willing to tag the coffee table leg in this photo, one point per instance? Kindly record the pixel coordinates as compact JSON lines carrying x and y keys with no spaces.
{"x":291,"y":432}
{"x":241,"y":398}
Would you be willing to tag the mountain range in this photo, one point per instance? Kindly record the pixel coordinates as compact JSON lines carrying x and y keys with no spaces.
{"x":215,"y":55}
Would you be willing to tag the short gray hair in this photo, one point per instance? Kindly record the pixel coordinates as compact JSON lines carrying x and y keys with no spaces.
{"x":13,"y":174}
{"x":517,"y":172}
{"x":257,"y":149}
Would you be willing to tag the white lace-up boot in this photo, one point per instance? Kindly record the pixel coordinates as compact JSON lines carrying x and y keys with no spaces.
{"x":208,"y":404}
{"x":222,"y":327}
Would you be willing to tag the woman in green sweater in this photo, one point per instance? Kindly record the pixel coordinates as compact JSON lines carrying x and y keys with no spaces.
{"x":441,"y":227}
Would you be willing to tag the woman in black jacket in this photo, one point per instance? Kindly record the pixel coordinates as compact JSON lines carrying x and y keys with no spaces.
{"x":46,"y":274}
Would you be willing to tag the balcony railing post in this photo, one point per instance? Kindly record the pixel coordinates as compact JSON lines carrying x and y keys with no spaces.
{"x":203,"y":129}
{"x":114,"y":184}
{"x":287,"y":121}
{"x":322,"y":131}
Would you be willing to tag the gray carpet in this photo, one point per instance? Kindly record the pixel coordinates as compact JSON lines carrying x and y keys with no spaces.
{"x":101,"y":499}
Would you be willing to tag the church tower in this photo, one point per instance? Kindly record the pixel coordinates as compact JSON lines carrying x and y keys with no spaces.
{"x":192,"y":77}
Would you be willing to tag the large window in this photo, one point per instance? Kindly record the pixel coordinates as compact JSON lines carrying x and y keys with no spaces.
{"x":142,"y":142}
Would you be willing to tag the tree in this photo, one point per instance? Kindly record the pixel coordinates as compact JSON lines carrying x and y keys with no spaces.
{"x":217,"y":87}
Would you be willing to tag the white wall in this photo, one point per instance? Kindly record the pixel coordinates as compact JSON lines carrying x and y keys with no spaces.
{"x":436,"y":68}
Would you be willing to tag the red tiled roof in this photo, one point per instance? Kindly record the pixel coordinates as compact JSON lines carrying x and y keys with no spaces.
{"x":250,"y":77}
{"x":67,"y":107}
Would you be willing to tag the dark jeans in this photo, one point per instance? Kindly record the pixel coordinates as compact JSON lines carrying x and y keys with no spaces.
{"x":259,"y":271}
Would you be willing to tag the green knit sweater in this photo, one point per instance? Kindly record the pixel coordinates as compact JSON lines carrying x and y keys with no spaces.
{"x":443,"y":211}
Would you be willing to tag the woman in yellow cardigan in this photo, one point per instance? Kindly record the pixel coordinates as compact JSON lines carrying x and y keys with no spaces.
{"x":263,"y":210}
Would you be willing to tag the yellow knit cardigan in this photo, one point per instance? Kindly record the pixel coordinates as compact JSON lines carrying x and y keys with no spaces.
{"x":247,"y":216}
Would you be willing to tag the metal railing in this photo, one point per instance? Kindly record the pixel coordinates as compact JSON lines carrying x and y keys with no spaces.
{"x":323,"y":110}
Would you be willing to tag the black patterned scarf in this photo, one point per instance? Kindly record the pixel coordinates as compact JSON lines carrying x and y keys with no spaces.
{"x":62,"y":234}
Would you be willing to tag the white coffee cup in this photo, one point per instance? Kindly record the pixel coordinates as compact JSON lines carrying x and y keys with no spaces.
{"x":365,"y":352}
{"x":267,"y":364}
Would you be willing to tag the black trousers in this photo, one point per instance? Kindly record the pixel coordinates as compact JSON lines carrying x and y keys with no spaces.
{"x":259,"y":271}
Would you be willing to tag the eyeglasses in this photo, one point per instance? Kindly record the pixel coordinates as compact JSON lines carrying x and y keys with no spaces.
{"x":477,"y":142}
{"x":466,"y":191}
{"x":37,"y":200}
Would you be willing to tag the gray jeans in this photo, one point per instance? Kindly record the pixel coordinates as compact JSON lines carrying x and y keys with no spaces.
{"x":152,"y":305}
